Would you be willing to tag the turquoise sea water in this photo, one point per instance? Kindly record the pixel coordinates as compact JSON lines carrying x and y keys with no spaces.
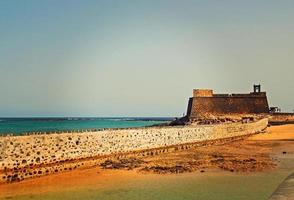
{"x":22,"y":125}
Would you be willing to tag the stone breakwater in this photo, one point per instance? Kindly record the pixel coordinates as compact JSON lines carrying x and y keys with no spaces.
{"x":30,"y":156}
{"x":281,"y":118}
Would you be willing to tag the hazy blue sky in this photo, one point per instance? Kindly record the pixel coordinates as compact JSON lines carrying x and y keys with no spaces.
{"x":140,"y":58}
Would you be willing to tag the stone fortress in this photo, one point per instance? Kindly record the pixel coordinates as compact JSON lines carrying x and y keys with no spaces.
{"x":34,"y":155}
{"x":205,"y":102}
{"x":205,"y":107}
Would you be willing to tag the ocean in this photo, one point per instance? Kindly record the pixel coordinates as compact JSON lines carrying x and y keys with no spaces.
{"x":25,"y":125}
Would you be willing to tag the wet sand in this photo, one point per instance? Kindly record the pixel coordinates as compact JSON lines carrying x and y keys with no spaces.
{"x":285,"y":190}
{"x":247,"y":169}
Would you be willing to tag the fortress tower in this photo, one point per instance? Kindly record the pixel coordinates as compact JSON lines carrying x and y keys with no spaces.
{"x":204,"y":103}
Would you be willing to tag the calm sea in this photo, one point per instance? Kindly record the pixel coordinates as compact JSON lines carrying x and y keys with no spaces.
{"x":22,"y":125}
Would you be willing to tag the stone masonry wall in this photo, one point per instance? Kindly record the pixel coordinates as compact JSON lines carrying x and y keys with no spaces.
{"x":281,"y":118}
{"x":202,"y":93}
{"x":35,"y":155}
{"x":202,"y":106}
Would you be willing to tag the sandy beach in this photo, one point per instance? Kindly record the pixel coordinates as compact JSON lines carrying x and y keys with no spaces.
{"x":246,"y":169}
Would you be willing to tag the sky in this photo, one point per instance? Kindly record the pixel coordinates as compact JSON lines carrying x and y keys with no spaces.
{"x":140,"y":58}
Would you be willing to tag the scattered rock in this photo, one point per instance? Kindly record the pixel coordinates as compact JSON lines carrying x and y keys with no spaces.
{"x":127,"y":163}
{"x":167,"y":169}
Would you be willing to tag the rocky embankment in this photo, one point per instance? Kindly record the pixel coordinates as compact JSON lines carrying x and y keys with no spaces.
{"x":281,"y":118}
{"x":37,"y":155}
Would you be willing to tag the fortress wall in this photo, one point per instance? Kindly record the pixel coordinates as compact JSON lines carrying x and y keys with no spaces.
{"x":201,"y":106}
{"x":36,"y":155}
{"x":202,"y":93}
{"x":189,"y":109}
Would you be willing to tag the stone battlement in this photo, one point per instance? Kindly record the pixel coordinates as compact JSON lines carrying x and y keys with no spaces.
{"x":202,"y":93}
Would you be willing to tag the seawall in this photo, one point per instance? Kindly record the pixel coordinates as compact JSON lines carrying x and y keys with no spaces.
{"x":281,"y":118}
{"x":24,"y":157}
